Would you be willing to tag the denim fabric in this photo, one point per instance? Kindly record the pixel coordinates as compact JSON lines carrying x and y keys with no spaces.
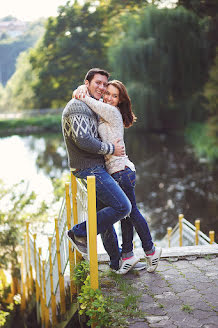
{"x":126,"y":179}
{"x":110,"y":242}
{"x":110,"y":194}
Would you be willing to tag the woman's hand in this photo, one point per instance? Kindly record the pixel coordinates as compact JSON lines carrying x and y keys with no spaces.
{"x":80,"y":92}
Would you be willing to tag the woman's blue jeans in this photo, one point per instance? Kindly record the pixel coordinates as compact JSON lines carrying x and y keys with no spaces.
{"x":126,"y":179}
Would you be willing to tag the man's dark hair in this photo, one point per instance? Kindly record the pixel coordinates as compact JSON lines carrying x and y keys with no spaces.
{"x":91,"y":73}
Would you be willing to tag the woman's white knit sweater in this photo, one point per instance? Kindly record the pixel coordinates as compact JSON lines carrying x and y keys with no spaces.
{"x":110,"y":128}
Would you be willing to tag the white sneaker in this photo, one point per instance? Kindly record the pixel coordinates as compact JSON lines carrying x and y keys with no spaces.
{"x":128,"y":264}
{"x":153,"y":260}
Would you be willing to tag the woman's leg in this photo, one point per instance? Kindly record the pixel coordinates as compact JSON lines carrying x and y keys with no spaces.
{"x":126,"y":180}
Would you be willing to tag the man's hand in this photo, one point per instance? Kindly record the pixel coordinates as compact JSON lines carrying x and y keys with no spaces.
{"x":119,"y":149}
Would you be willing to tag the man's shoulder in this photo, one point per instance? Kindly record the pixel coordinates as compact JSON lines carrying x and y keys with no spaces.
{"x":75,"y":107}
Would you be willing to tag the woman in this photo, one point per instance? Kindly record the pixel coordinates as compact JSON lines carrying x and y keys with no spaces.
{"x":116,"y":113}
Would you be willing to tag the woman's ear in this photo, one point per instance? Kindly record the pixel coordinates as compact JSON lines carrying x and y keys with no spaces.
{"x":87,"y":83}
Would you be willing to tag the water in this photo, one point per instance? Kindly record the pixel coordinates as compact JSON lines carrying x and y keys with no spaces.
{"x":170,"y":180}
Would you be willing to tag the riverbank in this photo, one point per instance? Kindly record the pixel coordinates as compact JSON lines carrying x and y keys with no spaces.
{"x":30,"y":125}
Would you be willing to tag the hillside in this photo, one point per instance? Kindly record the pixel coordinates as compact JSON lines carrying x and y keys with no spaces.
{"x":16,"y":36}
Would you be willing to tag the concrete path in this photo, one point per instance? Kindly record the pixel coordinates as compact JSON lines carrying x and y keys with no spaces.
{"x":183,"y":292}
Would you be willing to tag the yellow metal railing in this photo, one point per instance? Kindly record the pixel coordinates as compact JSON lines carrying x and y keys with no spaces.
{"x":188,"y":234}
{"x":50,"y":272}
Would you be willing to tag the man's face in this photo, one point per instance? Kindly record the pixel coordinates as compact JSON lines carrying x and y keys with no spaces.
{"x":97,"y":86}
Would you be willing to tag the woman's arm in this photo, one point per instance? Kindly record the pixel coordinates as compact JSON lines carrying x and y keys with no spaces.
{"x":107,"y":112}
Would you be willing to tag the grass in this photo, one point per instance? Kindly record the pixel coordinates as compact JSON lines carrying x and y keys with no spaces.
{"x":205,"y":146}
{"x":22,"y":125}
{"x":187,"y":308}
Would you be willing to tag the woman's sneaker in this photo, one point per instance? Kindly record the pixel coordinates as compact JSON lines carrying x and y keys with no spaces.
{"x":128,"y":264}
{"x":153,"y":259}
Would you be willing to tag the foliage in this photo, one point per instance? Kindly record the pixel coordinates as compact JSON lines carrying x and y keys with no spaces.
{"x":43,"y":123}
{"x":18,"y":93}
{"x":94,"y":306}
{"x":17,"y":205}
{"x":162,"y":77}
{"x":207,"y":10}
{"x":205,"y":145}
{"x":211,"y":94}
{"x":105,"y":311}
{"x":73,"y":42}
{"x":81,"y":272}
{"x":10,"y":48}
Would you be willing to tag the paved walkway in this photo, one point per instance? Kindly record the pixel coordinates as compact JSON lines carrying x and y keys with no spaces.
{"x":183,"y":292}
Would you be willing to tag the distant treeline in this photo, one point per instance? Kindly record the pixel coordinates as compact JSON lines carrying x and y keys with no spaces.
{"x":10,"y":48}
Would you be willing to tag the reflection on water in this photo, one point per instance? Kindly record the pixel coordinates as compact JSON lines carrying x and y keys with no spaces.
{"x":169,"y":179}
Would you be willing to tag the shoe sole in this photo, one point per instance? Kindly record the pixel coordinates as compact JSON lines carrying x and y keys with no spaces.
{"x":128,"y":267}
{"x":154,"y":267}
{"x":75,"y":245}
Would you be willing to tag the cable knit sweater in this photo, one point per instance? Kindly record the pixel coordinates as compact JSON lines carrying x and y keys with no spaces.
{"x":110,"y":128}
{"x":80,"y":131}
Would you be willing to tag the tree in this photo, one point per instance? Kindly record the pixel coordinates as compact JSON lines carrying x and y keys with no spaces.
{"x":16,"y":205}
{"x":162,"y":58}
{"x":211,"y":94}
{"x":19,"y":91}
{"x":73,"y":42}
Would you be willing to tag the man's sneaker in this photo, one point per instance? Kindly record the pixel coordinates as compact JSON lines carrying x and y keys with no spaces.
{"x":80,"y":243}
{"x":140,"y":266}
{"x":128,"y":264}
{"x":153,"y":259}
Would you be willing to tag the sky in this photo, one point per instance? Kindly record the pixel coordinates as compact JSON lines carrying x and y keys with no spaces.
{"x":29,"y":10}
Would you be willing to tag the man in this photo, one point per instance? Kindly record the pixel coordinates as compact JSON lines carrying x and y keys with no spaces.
{"x":86,"y":157}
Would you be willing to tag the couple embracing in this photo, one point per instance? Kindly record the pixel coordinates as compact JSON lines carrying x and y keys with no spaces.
{"x":93,"y":132}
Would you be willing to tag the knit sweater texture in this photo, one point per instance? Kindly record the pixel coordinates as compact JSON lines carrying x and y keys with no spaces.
{"x":80,"y":132}
{"x":110,"y":128}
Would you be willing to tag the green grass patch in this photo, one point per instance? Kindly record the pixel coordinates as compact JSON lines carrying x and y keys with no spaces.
{"x":205,"y":145}
{"x":43,"y":123}
{"x":187,"y":308}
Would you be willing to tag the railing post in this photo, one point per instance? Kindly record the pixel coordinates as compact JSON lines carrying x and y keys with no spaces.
{"x":26,"y":265}
{"x":169,"y":232}
{"x":92,"y":232}
{"x":45,"y":298}
{"x":35,"y":264}
{"x":23,"y":294}
{"x":71,"y":254}
{"x":197,"y":228}
{"x":181,"y":216}
{"x":40,"y":289}
{"x":53,"y":298}
{"x":75,"y":212}
{"x":212,"y":236}
{"x":61,"y":277}
{"x":29,"y":259}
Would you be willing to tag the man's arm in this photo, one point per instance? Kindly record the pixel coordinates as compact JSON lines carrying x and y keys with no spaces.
{"x":78,"y":128}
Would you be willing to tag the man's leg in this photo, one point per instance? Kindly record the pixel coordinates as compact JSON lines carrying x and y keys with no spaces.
{"x":110,"y":242}
{"x":109,"y":193}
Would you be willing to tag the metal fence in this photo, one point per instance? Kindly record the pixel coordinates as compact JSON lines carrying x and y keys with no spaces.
{"x":49,"y":274}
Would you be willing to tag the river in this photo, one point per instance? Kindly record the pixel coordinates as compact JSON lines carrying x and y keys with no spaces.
{"x":170,"y":180}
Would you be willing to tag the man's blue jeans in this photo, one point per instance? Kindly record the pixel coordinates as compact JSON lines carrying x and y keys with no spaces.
{"x":126,"y":179}
{"x":108,"y":192}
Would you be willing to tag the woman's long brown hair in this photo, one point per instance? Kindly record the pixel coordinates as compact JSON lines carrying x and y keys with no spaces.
{"x":124,"y":105}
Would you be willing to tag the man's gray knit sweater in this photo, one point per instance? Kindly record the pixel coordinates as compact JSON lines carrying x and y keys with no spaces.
{"x":80,"y":131}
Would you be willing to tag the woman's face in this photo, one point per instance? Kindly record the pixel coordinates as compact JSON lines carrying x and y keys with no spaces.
{"x":111,"y":95}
